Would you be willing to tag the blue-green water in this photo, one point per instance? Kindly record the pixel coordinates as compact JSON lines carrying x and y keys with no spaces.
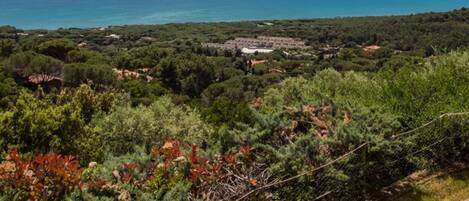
{"x":94,"y":13}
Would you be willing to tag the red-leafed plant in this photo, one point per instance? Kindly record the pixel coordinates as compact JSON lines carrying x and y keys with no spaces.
{"x":42,"y":177}
{"x":199,"y":165}
{"x":170,"y":165}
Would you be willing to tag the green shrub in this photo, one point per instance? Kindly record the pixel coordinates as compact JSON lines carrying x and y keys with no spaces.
{"x":126,"y":127}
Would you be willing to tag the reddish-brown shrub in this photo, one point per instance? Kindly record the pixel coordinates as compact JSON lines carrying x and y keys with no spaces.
{"x":42,"y":177}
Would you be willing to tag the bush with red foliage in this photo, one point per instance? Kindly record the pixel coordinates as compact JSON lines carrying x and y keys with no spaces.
{"x":42,"y":177}
{"x":225,"y":177}
{"x":53,"y":177}
{"x":222,"y":177}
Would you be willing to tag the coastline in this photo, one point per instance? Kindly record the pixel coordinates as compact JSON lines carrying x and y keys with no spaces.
{"x":234,"y":21}
{"x":88,"y":13}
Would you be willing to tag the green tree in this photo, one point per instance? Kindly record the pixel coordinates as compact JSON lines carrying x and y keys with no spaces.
{"x":89,"y":101}
{"x":346,"y":54}
{"x":86,"y":56}
{"x":141,"y":91}
{"x":6,"y":48}
{"x":57,"y":48}
{"x":34,"y":124}
{"x":420,"y":92}
{"x":224,"y":111}
{"x":142,"y":57}
{"x":8,"y":91}
{"x":99,"y":76}
{"x":188,"y":74}
{"x":24,"y":64}
{"x":240,"y":88}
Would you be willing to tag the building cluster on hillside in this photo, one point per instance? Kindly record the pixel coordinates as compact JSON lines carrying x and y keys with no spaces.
{"x":123,"y":73}
{"x":261,"y":42}
{"x":371,"y":48}
{"x":329,"y":52}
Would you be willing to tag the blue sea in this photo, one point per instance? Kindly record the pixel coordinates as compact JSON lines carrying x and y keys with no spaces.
{"x":52,"y":14}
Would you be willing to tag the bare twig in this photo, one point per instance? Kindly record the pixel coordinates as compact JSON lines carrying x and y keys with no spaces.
{"x":323,"y":195}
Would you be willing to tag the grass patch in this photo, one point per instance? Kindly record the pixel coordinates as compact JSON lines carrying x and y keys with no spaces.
{"x":453,"y":187}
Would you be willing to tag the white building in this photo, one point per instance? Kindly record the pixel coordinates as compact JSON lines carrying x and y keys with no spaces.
{"x":254,"y":50}
{"x":115,"y":36}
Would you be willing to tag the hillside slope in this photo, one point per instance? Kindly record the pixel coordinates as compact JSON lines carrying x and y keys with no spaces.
{"x":452,"y":187}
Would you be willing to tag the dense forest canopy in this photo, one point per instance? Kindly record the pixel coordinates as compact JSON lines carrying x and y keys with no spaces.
{"x":147,"y":112}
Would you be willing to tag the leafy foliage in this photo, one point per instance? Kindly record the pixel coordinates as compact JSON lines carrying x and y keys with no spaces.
{"x":85,"y":56}
{"x":420,"y":93}
{"x":48,"y":176}
{"x":167,"y":173}
{"x":57,"y":48}
{"x":157,"y":116}
{"x":142,"y":92}
{"x":24,"y":64}
{"x":190,"y":75}
{"x":143,"y":57}
{"x":126,"y":127}
{"x":7,"y":47}
{"x":98,"y":75}
{"x":8,"y":91}
{"x":35,"y":124}
{"x":225,"y":112}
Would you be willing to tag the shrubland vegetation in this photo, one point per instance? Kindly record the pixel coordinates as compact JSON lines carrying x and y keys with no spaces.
{"x":153,"y":115}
